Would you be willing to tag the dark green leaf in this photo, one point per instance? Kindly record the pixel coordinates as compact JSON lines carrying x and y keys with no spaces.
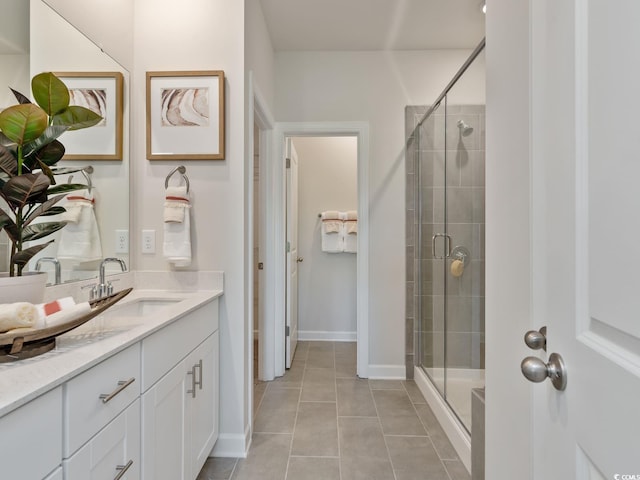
{"x":65,"y":187}
{"x":76,"y":118}
{"x":50,"y":154}
{"x":20,"y":97}
{"x":9,"y":226}
{"x":23,"y":123}
{"x":48,"y":136}
{"x":27,"y":188}
{"x":50,"y":93}
{"x":66,"y":170}
{"x":53,"y":211}
{"x":23,"y":257}
{"x":8,"y":162}
{"x":43,"y":209}
{"x":47,"y":171}
{"x":40,"y":230}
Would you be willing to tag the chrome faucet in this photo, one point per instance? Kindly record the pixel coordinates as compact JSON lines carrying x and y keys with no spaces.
{"x":104,"y":288}
{"x":56,"y":266}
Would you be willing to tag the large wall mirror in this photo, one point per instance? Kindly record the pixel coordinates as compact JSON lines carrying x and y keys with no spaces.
{"x":35,"y":38}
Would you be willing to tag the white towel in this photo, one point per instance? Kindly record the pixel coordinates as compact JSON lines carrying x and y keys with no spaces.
{"x":80,"y":238}
{"x":17,"y":315}
{"x":351,"y":231}
{"x":177,"y":241}
{"x":68,"y":314}
{"x":175,"y":204}
{"x":332,"y":232}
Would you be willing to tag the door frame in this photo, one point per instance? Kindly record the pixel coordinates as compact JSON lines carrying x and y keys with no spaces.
{"x":273,"y":351}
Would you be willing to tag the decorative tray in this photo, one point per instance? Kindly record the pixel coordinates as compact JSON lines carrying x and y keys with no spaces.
{"x":26,"y":343}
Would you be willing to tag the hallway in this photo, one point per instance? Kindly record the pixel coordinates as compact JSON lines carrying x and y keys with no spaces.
{"x":320,"y":422}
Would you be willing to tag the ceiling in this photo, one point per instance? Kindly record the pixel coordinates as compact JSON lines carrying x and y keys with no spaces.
{"x":353,"y":25}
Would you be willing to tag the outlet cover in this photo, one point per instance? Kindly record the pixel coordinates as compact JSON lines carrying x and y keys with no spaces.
{"x":148,"y":241}
{"x":122,"y":241}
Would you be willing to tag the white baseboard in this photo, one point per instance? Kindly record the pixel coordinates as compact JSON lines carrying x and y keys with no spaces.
{"x":458,"y":436}
{"x":314,"y":335}
{"x":232,"y":445}
{"x":387,"y":372}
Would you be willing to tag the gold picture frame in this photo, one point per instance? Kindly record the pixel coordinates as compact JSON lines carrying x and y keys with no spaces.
{"x":185,"y":115}
{"x":103,"y":93}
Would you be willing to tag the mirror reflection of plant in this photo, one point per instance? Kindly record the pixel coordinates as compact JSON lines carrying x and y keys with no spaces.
{"x":28,"y":149}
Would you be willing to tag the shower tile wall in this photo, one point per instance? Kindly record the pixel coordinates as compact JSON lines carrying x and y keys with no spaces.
{"x":465,"y":224}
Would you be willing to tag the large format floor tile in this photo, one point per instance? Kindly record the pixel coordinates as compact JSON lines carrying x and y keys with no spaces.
{"x":320,"y":422}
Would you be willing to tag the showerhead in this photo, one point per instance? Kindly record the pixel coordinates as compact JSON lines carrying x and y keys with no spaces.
{"x":465,"y":130}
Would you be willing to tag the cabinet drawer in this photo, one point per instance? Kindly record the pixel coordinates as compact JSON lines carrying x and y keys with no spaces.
{"x":97,"y":396}
{"x":114,"y":450}
{"x":165,"y":348}
{"x":32,"y":438}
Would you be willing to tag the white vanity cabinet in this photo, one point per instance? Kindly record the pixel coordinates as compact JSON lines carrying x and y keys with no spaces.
{"x":32,"y":439}
{"x":149,"y":410}
{"x":180,"y":396}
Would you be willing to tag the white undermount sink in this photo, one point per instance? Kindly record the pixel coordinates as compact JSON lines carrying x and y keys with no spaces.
{"x":141,"y":307}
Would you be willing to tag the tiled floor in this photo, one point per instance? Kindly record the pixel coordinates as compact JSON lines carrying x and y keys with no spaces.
{"x":320,"y":422}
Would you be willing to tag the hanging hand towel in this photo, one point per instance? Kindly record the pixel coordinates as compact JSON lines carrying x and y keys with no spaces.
{"x":175,"y":204}
{"x":351,"y":231}
{"x":177,"y":228}
{"x":332,"y":232}
{"x":80,"y":238}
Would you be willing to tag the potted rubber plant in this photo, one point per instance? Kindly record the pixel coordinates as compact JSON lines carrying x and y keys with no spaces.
{"x":29,"y":149}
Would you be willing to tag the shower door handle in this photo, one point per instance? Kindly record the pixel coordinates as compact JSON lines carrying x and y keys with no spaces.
{"x":447,"y":239}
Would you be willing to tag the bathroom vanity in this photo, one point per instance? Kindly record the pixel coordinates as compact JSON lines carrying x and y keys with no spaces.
{"x":131,"y":394}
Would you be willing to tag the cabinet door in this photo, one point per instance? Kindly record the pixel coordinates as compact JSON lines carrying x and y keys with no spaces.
{"x":32,"y":438}
{"x":203,"y":409}
{"x":114,"y":450}
{"x":163,"y":427}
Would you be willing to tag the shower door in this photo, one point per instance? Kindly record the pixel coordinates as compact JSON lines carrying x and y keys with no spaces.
{"x":450,"y":188}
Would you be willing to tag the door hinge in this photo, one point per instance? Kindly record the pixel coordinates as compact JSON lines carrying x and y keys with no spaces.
{"x":288,"y":163}
{"x":260,"y":266}
{"x":286,"y":330}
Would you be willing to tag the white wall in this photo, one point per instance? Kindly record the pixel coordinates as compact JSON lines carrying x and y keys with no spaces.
{"x":328,"y":176}
{"x":374,"y":87}
{"x":259,"y":52}
{"x":15,"y":74}
{"x":201,"y":35}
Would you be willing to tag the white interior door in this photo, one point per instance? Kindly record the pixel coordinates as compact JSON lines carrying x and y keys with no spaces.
{"x":586,"y":225}
{"x":291,"y":328}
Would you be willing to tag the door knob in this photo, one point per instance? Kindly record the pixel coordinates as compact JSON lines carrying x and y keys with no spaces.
{"x":299,"y":259}
{"x":536,"y":340}
{"x":535,"y":370}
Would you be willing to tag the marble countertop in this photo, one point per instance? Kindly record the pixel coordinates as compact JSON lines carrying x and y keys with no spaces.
{"x":89,"y":344}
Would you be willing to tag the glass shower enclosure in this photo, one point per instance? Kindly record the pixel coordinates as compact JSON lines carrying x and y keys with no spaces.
{"x":446,"y":146}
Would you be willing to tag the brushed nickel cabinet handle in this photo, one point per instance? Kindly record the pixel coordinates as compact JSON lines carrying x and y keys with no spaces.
{"x":199,"y":366}
{"x":122,"y":384}
{"x":122,"y":469}
{"x":193,"y":381}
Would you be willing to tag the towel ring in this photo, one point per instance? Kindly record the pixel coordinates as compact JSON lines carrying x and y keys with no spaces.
{"x":86,"y":173}
{"x":182,"y":170}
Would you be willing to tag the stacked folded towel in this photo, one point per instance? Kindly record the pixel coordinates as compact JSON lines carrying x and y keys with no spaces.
{"x":26,"y":315}
{"x":80,"y":239}
{"x":177,"y":226}
{"x":351,"y":231}
{"x":332,"y":232}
